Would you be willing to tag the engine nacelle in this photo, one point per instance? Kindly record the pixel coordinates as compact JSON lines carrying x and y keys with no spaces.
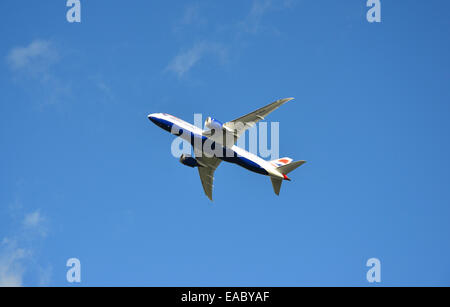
{"x":213,"y":124}
{"x":188,"y":161}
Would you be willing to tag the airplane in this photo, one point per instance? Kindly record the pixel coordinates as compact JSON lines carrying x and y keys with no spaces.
{"x":217,"y":143}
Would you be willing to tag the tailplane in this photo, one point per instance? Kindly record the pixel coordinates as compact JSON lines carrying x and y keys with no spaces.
{"x":284,"y":168}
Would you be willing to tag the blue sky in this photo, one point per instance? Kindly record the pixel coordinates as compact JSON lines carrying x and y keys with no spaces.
{"x":84,"y":174}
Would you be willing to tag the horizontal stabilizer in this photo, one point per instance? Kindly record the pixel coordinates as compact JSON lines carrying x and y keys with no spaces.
{"x":286,"y":169}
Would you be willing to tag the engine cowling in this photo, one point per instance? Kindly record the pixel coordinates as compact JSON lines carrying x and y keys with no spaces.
{"x":188,"y":161}
{"x":212,"y":123}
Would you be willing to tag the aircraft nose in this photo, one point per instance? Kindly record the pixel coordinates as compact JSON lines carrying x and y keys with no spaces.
{"x":154,"y":118}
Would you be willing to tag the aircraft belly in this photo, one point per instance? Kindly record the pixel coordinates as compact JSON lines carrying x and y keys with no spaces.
{"x":227,"y":154}
{"x":245,"y":163}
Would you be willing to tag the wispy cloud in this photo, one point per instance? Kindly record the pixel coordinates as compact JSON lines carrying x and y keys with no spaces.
{"x":36,"y":222}
{"x":33,"y":219}
{"x":17,"y":251}
{"x":33,"y":64}
{"x":192,"y":15}
{"x":187,"y":59}
{"x":239,"y":31}
{"x":36,"y":57}
{"x":11,"y":267}
{"x":253,"y":23}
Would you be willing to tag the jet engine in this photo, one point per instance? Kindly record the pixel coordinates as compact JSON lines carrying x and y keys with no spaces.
{"x":188,"y":160}
{"x":213,"y":124}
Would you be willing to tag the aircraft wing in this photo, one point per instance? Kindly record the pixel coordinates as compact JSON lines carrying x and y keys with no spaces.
{"x":241,"y":124}
{"x":206,"y":172}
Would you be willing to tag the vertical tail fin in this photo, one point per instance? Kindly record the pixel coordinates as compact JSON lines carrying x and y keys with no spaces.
{"x":276,"y":184}
{"x":281,"y":161}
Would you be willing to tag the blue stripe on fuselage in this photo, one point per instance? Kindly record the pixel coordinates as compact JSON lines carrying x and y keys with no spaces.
{"x":228,"y":155}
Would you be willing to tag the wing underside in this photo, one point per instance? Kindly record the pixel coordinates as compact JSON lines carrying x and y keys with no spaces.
{"x":206,"y":173}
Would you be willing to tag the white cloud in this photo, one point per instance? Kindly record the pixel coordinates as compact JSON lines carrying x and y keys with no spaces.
{"x":33,"y":219}
{"x":11,"y":267}
{"x":10,"y":280}
{"x":17,"y":251}
{"x":37,"y":55}
{"x":186,"y":60}
{"x":35,"y":222}
{"x":34,"y":67}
